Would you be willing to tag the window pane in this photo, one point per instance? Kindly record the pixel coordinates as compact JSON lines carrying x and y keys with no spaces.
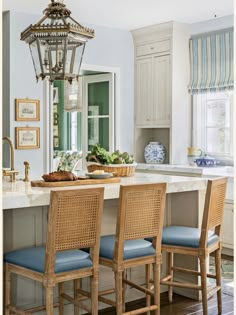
{"x":98,"y":132}
{"x":218,"y":112}
{"x":98,"y":95}
{"x":218,"y":140}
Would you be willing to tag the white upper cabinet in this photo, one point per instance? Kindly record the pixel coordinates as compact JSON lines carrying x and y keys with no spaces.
{"x":153,"y":91}
{"x":161,"y":91}
{"x":162,"y":103}
{"x":144,"y":91}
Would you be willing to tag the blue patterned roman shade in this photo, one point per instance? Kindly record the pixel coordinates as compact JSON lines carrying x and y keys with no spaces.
{"x":211,"y":62}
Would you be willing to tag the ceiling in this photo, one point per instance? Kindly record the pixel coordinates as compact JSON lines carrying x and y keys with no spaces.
{"x":131,"y":14}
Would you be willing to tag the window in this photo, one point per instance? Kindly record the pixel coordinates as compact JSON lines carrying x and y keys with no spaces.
{"x":213,"y":123}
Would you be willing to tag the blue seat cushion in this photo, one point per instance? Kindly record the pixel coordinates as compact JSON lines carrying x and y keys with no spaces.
{"x":132,"y":248}
{"x":185,"y":236}
{"x":34,"y":258}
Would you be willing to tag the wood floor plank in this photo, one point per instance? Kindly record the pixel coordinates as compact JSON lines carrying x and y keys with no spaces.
{"x":181,"y":306}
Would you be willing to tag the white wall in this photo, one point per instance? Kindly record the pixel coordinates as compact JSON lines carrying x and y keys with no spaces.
{"x":111,"y":47}
{"x":212,"y":25}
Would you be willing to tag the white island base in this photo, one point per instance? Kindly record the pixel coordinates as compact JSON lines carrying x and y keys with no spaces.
{"x":25,"y":224}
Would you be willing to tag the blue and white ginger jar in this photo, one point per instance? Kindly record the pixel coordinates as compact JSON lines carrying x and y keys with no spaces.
{"x":155,"y":153}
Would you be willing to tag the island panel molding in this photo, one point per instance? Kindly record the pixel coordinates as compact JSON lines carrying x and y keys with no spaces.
{"x":27,"y":138}
{"x":27,"y":109}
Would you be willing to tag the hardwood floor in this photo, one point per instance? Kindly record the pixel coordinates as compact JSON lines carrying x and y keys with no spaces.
{"x":181,"y":306}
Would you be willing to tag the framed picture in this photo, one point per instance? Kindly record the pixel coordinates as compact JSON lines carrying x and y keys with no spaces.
{"x":55,"y":119}
{"x":27,"y":138}
{"x":55,"y":95}
{"x":55,"y":108}
{"x":93,"y":125}
{"x":56,"y":130}
{"x":55,"y":142}
{"x":27,"y":110}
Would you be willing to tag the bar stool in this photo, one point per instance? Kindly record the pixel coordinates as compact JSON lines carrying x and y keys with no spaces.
{"x":140,"y":215}
{"x":74,"y":221}
{"x":199,"y":243}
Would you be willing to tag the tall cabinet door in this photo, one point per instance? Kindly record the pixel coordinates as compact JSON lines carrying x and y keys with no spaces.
{"x":143,"y":98}
{"x":161,"y":91}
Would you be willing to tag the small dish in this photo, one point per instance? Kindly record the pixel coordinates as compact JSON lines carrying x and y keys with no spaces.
{"x":99,"y":176}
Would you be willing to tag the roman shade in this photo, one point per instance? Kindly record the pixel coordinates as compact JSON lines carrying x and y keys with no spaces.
{"x":211,"y":62}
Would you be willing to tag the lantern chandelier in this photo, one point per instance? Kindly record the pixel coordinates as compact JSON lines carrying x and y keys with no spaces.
{"x":57,"y":43}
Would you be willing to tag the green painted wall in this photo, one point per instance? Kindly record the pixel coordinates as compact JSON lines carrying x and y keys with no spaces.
{"x":98,"y":95}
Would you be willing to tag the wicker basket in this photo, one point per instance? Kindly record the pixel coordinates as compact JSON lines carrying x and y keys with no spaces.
{"x":117,"y":169}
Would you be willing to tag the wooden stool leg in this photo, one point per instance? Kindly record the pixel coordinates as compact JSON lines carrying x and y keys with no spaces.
{"x":218,"y":279}
{"x":61,"y":300}
{"x":148,"y":285}
{"x":156,"y":278}
{"x":118,"y":286}
{"x":171,"y":273}
{"x":123,"y":291}
{"x":49,"y":300}
{"x":7,"y":289}
{"x":76,"y":287}
{"x":204,"y":284}
{"x":94,"y":293}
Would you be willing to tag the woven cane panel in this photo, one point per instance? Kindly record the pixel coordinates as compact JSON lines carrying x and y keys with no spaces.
{"x":142,"y":214}
{"x":217,"y":205}
{"x":76,"y":221}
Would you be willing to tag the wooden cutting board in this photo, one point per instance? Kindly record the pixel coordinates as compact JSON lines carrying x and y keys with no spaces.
{"x":89,"y":181}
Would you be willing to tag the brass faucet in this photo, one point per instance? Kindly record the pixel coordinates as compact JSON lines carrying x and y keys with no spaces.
{"x":12,"y":172}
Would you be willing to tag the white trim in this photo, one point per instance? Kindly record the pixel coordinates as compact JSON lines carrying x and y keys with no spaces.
{"x":48,"y":139}
{"x":199,"y":124}
{"x":116,"y":84}
{"x":107,"y":77}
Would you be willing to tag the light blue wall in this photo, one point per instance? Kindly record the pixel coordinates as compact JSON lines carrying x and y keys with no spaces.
{"x":115,"y":48}
{"x":111,"y":47}
{"x":21,"y":83}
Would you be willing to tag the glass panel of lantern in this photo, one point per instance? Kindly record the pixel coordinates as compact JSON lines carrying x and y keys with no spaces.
{"x":35,"y":58}
{"x":79,"y":51}
{"x":72,"y":96}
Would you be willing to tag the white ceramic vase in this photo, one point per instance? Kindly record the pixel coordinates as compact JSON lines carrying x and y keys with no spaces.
{"x":155,"y":153}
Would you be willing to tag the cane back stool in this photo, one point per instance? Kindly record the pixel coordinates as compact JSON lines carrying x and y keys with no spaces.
{"x":199,"y":243}
{"x":140,"y":215}
{"x":74,"y":222}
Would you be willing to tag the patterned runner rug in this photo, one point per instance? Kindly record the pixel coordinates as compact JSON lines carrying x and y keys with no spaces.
{"x":227,"y":275}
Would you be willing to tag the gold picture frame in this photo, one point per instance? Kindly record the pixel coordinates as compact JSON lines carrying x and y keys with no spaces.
{"x":27,"y":109}
{"x":27,"y":138}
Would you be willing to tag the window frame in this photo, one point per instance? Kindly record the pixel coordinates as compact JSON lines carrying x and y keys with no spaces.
{"x":199,"y":137}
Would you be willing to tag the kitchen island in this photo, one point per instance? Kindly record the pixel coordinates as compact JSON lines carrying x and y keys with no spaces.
{"x":25,"y":222}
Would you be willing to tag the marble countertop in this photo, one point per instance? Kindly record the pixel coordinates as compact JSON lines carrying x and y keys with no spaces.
{"x":201,"y":171}
{"x":20,"y":194}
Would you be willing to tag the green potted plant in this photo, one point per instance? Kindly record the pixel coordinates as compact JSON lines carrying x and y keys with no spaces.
{"x":118,"y":163}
